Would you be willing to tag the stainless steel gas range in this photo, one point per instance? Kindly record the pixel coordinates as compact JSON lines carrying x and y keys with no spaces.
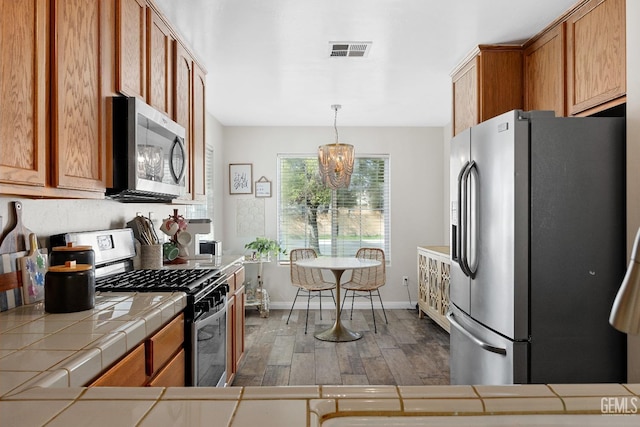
{"x":206,"y":289}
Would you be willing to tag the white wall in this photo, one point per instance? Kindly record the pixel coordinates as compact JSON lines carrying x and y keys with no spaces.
{"x":417,"y":172}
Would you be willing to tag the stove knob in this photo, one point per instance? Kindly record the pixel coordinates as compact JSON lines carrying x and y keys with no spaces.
{"x":202,"y":306}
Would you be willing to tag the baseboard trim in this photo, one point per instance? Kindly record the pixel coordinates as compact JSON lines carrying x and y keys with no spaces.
{"x":363,"y":305}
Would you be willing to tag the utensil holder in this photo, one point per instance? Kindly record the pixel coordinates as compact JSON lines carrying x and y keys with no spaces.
{"x":151,"y":257}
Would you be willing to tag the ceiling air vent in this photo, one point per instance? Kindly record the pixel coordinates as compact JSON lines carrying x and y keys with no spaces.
{"x":357,"y":49}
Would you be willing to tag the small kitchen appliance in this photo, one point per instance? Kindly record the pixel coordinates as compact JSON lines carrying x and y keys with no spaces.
{"x":149,"y":153}
{"x":198,"y":228}
{"x":212,"y":247}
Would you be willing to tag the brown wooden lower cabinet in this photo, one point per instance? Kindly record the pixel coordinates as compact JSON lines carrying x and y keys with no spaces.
{"x":157,"y":362}
{"x":128,"y":372}
{"x":172,"y":375}
{"x":235,"y":320}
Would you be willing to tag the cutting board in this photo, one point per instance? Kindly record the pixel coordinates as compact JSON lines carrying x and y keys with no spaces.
{"x":17,"y":238}
{"x":33,"y":268}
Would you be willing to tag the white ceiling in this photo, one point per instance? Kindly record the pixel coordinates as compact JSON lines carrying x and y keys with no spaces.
{"x":268,"y":60}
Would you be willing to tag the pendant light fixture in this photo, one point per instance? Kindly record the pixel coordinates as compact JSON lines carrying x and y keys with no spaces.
{"x":625,"y":313}
{"x":336,"y":160}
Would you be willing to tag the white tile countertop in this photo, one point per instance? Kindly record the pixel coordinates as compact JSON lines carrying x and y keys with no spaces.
{"x":45,"y":359}
{"x":523,"y":405}
{"x":70,"y":349}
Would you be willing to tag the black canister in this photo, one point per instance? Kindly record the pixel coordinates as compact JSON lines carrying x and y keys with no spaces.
{"x":80,"y":254}
{"x":69,"y":288}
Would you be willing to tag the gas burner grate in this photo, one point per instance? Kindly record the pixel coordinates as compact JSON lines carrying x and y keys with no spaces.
{"x":156,"y":280}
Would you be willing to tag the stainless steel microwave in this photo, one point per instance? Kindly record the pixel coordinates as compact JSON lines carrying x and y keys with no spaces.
{"x":149,"y":153}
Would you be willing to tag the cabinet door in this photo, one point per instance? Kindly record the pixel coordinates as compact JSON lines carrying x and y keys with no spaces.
{"x":423,"y":290}
{"x":164,"y":344}
{"x":77,"y":107}
{"x":198,"y":149}
{"x":500,"y":80}
{"x":172,"y":374}
{"x":182,"y":100}
{"x":239,"y":326}
{"x":596,"y":56}
{"x":159,"y":58}
{"x":465,"y":97}
{"x":544,"y":72}
{"x":131,"y":36}
{"x":231,"y":362}
{"x":129,"y":372}
{"x":24,"y":92}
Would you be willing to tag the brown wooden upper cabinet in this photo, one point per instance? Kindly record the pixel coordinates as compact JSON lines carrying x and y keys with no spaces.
{"x":52,"y":127}
{"x":198,"y":159}
{"x":486,"y":84}
{"x":183,"y":97}
{"x":596,"y":56}
{"x":131,"y":42}
{"x":160,"y":63}
{"x":78,"y":107}
{"x":67,"y":59}
{"x":23,"y":122}
{"x":544,"y":72}
{"x":189,"y":111}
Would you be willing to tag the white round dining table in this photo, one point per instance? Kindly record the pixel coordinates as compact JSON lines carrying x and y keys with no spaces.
{"x":338,"y":265}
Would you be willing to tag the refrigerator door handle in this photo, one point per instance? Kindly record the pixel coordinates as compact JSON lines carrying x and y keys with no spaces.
{"x":456,"y":253}
{"x":478,"y":341}
{"x":471,"y":233}
{"x":463,"y":216}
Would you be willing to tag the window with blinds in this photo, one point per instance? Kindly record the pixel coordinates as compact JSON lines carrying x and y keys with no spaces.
{"x":204,"y":210}
{"x":333,"y":222}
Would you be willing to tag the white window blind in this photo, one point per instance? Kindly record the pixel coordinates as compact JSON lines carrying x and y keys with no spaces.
{"x":205,"y":210}
{"x":333,"y":222}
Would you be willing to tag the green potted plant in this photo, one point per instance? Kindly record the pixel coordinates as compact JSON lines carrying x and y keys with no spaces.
{"x":264,"y":247}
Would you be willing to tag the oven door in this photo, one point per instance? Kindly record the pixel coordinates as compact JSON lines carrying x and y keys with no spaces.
{"x":209,"y":347}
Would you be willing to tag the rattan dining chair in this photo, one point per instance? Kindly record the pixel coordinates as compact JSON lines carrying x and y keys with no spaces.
{"x":308,"y":280}
{"x":366,"y":282}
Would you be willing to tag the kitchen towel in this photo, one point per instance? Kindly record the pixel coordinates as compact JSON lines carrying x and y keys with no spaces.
{"x":10,"y":289}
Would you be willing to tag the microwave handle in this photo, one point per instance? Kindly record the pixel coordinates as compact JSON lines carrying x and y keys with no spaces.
{"x":177,"y":175}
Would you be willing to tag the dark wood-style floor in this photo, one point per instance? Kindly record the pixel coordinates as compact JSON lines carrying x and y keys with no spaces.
{"x":407,"y":351}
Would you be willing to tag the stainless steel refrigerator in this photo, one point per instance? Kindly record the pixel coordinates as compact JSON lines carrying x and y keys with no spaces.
{"x":537,"y":250}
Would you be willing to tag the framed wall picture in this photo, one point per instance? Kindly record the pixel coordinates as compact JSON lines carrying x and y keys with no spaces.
{"x":240,"y":178}
{"x":263,"y":187}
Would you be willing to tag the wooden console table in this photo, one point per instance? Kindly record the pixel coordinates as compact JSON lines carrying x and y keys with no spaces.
{"x":434,"y":268}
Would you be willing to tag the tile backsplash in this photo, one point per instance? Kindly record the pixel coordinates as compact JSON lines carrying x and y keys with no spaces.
{"x":46,"y":217}
{"x":52,"y":216}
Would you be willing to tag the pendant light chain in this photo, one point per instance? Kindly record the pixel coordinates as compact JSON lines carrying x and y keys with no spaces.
{"x":335,"y":121}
